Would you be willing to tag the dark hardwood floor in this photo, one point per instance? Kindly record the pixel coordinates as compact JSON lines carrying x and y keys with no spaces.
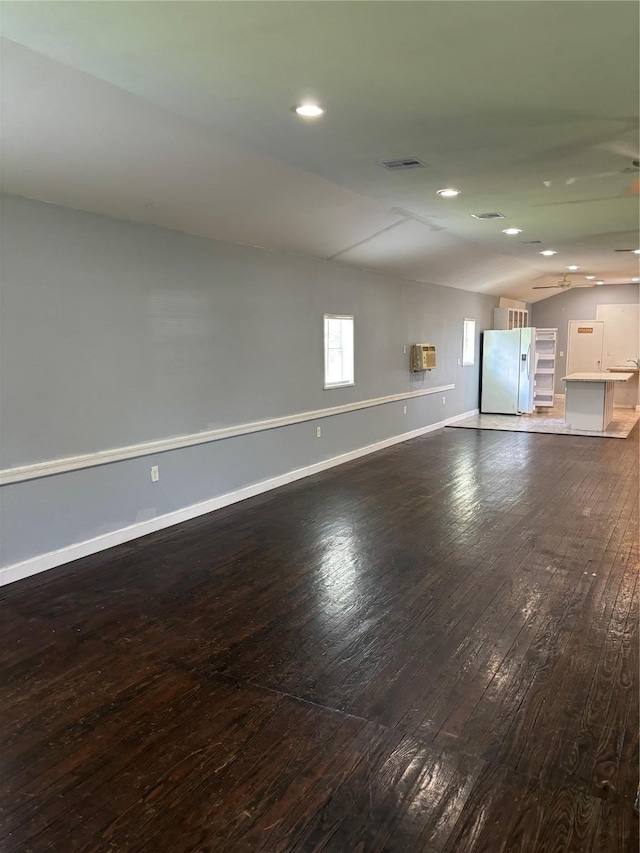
{"x":434,"y":649}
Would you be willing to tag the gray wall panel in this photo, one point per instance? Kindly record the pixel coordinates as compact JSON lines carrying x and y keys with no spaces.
{"x":115,"y":333}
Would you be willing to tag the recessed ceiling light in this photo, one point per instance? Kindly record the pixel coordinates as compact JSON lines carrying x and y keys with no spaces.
{"x":309,"y":110}
{"x":636,"y":251}
{"x":600,"y":281}
{"x":635,"y":278}
{"x":449,"y":192}
{"x":573,"y":267}
{"x":512,"y":230}
{"x":548,"y":252}
{"x":590,"y":277}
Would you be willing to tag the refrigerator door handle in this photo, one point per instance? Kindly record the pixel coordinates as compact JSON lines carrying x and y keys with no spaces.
{"x":529,"y":362}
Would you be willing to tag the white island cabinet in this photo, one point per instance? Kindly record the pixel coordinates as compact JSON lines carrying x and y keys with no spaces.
{"x":588,"y":401}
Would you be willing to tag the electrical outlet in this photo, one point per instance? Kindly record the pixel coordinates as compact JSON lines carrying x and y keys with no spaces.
{"x":318,"y":432}
{"x":404,"y":349}
{"x":444,"y":400}
{"x":561,"y":354}
{"x":405,"y":409}
{"x":458,"y":361}
{"x":155,"y":474}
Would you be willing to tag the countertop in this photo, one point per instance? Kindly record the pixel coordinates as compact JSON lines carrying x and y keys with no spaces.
{"x":623,"y":369}
{"x":597,"y":377}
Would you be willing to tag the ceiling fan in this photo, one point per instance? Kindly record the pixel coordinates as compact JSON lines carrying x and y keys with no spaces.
{"x":564,"y":284}
{"x":623,"y":149}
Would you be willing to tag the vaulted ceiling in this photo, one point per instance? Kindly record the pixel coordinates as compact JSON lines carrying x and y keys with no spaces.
{"x":179,"y":114}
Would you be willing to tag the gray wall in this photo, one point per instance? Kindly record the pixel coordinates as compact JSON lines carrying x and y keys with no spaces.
{"x":579,"y":304}
{"x":115,"y":333}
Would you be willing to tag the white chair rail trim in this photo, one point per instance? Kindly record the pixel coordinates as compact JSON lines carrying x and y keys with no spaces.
{"x":118,"y":454}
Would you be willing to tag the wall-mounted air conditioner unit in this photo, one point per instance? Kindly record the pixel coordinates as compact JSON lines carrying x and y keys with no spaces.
{"x":423,"y":357}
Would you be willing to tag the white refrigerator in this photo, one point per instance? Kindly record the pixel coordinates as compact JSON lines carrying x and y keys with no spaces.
{"x":507,"y":371}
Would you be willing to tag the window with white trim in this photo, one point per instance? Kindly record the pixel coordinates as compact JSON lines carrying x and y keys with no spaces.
{"x":469,"y":343}
{"x":338,"y":351}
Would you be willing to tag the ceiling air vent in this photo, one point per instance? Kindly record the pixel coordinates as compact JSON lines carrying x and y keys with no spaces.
{"x":488,"y":215}
{"x":529,"y":242}
{"x":402,"y":164}
{"x":623,"y":250}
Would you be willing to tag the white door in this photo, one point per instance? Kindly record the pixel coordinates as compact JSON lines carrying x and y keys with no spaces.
{"x":621,"y":334}
{"x":584,"y":346}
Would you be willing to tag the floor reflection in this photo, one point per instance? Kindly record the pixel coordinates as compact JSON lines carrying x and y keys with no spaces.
{"x":338,"y":572}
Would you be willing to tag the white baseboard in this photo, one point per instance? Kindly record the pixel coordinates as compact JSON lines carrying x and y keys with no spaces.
{"x":50,"y":560}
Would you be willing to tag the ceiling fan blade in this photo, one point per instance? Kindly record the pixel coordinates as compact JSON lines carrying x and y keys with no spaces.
{"x":570,"y":181}
{"x":624,"y":149}
{"x":568,"y":286}
{"x":626,"y":125}
{"x":581,"y":200}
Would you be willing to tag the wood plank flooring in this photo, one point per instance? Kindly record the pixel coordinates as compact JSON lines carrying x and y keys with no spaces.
{"x":431,"y":649}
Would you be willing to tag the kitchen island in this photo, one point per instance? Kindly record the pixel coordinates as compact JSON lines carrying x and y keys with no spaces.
{"x":589,"y":399}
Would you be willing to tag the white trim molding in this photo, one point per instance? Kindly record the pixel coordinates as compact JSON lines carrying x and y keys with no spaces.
{"x":147,"y":448}
{"x":50,"y":560}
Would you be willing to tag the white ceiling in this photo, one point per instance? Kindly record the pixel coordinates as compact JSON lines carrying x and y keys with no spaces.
{"x":178,"y":114}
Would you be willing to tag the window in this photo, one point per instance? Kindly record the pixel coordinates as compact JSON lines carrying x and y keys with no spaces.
{"x":469,"y":343}
{"x":338,"y":351}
